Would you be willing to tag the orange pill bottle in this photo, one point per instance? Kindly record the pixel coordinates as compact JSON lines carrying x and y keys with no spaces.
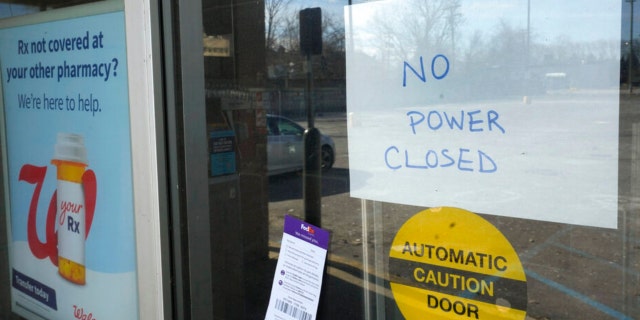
{"x":70,"y":159}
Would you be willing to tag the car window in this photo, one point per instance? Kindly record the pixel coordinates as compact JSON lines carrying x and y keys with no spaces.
{"x":289,"y":128}
{"x":272,"y":126}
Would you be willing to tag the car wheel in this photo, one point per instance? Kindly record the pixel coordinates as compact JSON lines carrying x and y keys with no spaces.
{"x":327,"y":157}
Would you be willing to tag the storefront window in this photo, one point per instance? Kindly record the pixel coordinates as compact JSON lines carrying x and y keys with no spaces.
{"x":475,"y":159}
{"x":566,"y":210}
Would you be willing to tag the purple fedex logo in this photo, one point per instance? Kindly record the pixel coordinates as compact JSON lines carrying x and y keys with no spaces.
{"x":307,"y":229}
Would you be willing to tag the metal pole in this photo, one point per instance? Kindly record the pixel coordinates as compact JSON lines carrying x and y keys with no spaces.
{"x":528,"y":54}
{"x":630,"y":62}
{"x":311,"y":175}
{"x":528,"y":29}
{"x":307,"y":94}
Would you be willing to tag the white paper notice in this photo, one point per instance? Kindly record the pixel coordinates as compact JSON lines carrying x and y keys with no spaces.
{"x":501,"y":110}
{"x":298,"y":278}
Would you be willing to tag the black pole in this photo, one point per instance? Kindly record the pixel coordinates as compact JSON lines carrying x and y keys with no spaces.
{"x":311,"y":43}
{"x":312,"y":172}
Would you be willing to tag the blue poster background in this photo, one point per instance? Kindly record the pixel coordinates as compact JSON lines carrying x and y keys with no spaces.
{"x":39,"y":63}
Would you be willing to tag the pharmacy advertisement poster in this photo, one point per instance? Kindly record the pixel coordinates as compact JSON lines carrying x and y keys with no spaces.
{"x":297,"y":283}
{"x":66,"y":121}
{"x":507,"y":109}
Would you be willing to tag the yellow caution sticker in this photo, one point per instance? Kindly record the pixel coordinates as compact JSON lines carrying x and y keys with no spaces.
{"x":449,"y":263}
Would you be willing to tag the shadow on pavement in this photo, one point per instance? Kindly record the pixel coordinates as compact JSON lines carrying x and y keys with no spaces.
{"x":289,"y":186}
{"x":342,"y":295}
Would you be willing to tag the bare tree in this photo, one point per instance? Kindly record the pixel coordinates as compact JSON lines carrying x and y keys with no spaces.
{"x":332,"y":33}
{"x":508,"y":45}
{"x":418,"y":26}
{"x":283,"y":41}
{"x":474,"y":55}
{"x":273,"y":16}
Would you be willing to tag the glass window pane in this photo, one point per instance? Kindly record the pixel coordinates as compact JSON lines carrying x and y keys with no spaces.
{"x":473,"y":59}
{"x":20,"y":8}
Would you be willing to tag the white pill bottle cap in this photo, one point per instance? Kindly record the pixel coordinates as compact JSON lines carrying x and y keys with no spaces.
{"x":70,"y":147}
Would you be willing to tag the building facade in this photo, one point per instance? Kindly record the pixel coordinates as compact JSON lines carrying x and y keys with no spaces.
{"x":283,"y":159}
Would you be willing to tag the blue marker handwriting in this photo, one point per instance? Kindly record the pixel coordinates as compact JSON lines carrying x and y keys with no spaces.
{"x":439,"y":69}
{"x":472,"y":121}
{"x":462,"y":159}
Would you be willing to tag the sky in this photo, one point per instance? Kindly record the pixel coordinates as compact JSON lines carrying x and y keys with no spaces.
{"x":483,"y":11}
{"x":579,"y":20}
{"x":544,"y":14}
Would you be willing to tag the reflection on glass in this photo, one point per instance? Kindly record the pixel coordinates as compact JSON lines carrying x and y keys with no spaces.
{"x":20,"y":8}
{"x":475,"y":98}
{"x":14,"y":10}
{"x":507,"y":108}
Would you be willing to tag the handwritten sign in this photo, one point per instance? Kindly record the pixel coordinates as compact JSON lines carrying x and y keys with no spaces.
{"x":482,"y":115}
